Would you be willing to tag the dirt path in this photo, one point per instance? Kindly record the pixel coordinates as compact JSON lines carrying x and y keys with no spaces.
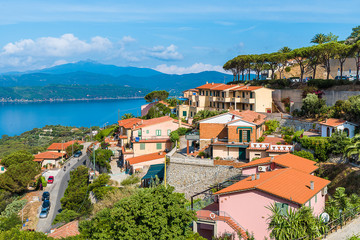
{"x":30,"y":211}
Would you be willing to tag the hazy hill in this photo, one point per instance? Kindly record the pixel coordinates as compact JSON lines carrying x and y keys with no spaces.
{"x":90,"y":73}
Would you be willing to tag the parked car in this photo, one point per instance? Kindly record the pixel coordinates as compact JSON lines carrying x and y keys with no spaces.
{"x":46,"y":196}
{"x":342,"y":78}
{"x":46,"y":204}
{"x":44,"y":213}
{"x":51,"y":179}
{"x":78,"y":154}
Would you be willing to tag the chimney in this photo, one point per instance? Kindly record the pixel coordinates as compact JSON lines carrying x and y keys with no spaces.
{"x":325,"y":120}
{"x":207,"y":82}
{"x":271,"y":159}
{"x":142,"y":121}
{"x":253,"y":177}
{"x":257,"y":176}
{"x":212,"y":83}
{"x":312,"y":185}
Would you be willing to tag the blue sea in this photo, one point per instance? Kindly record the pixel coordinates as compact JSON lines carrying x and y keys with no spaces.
{"x":16,"y":118}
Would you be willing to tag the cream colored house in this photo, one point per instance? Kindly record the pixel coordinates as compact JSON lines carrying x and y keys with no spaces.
{"x":220,"y":96}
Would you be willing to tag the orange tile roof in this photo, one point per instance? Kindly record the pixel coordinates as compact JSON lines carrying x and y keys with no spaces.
{"x":209,"y":85}
{"x":149,"y":122}
{"x":129,"y":123}
{"x":146,"y":158}
{"x":249,"y":116}
{"x":247,"y":88}
{"x":333,"y":122}
{"x":286,"y":160}
{"x":289,"y":184}
{"x":273,"y":140}
{"x":47,"y":155}
{"x":160,"y":140}
{"x":63,"y":146}
{"x":68,"y":230}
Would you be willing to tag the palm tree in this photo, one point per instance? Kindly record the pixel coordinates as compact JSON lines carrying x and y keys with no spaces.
{"x":319,"y":38}
{"x":285,"y":50}
{"x":127,"y":116}
{"x":353,"y":149}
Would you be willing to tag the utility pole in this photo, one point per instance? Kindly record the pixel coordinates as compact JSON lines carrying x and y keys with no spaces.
{"x":94,"y":159}
{"x":118,"y":114}
{"x":72,"y":147}
{"x":165,"y":172}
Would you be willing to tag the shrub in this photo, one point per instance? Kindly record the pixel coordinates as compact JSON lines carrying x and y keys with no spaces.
{"x":132,"y":179}
{"x":261,"y":139}
{"x":66,"y":216}
{"x":201,"y":154}
{"x":13,"y":208}
{"x":305,"y":154}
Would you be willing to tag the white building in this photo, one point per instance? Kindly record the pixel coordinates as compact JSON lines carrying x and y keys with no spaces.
{"x":330,"y":125}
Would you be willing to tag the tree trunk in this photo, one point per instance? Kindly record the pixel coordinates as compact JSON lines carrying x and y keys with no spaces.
{"x":357,"y":61}
{"x":249,"y":73}
{"x":243,"y":75}
{"x":314,"y":71}
{"x":341,"y":69}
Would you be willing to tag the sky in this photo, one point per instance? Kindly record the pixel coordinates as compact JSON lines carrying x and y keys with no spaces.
{"x":173,"y":37}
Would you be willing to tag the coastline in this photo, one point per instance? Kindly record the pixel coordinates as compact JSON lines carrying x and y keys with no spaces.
{"x":65,"y":100}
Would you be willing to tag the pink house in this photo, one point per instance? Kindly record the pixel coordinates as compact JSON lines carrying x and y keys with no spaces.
{"x":148,"y":136}
{"x":243,"y":205}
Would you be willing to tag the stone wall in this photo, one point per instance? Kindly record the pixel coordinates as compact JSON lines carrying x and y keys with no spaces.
{"x":191,"y":179}
{"x":295,"y":96}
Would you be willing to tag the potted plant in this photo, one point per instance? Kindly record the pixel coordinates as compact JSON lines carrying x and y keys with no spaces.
{"x":201,"y":154}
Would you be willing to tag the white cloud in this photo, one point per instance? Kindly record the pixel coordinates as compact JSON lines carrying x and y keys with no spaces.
{"x":65,"y":45}
{"x":195,"y":68}
{"x":165,"y":53}
{"x":128,"y":39}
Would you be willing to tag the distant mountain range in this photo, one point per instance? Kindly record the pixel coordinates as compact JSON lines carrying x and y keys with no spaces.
{"x":92,"y":73}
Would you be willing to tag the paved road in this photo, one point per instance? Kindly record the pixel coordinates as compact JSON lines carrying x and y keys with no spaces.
{"x":57,"y":190}
{"x":347,"y":231}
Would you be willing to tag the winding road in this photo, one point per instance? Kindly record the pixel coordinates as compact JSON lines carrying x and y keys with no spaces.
{"x":57,"y":190}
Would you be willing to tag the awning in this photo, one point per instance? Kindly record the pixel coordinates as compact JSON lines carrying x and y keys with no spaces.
{"x":155,"y":170}
{"x":238,"y":146}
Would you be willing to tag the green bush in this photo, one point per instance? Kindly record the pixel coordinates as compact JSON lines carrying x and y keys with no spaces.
{"x":305,"y":154}
{"x":261,"y":139}
{"x":66,"y":216}
{"x":132,"y":179}
{"x":13,"y":208}
{"x":319,"y":145}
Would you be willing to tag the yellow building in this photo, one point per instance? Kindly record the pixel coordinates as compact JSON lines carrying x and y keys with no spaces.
{"x":220,"y":96}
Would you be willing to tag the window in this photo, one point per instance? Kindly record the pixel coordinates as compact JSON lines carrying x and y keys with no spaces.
{"x":243,"y":107}
{"x":191,"y":114}
{"x":158,"y":146}
{"x":233,"y":94}
{"x":2,"y":169}
{"x":207,"y":93}
{"x":251,"y":107}
{"x":142,"y":146}
{"x":184,"y":113}
{"x":223,"y":105}
{"x":310,"y":203}
{"x":283,"y":208}
{"x":251,"y":95}
{"x":210,"y":104}
{"x":222,"y":94}
{"x":210,"y":93}
{"x":243,"y":94}
{"x":147,"y":131}
{"x":168,"y":132}
{"x":158,"y":132}
{"x":139,"y":133}
{"x":316,"y":198}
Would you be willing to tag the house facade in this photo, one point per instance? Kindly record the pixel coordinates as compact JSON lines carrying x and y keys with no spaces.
{"x":147,"y":136}
{"x":49,"y":159}
{"x":137,"y":164}
{"x":243,"y":206}
{"x":271,"y":146}
{"x":220,"y":96}
{"x":328,"y":126}
{"x":230,"y":134}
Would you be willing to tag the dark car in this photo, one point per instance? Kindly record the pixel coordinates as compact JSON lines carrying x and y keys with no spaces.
{"x":341,"y":78}
{"x":51,"y":179}
{"x":46,"y":196}
{"x":78,"y":154}
{"x":46,"y":204}
{"x":44,"y":213}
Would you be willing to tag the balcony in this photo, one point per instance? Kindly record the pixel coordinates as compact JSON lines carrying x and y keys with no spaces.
{"x":247,"y":100}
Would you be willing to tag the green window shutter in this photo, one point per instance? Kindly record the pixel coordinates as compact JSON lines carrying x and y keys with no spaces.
{"x":248,"y":136}
{"x":240,"y":135}
{"x":168,"y":132}
{"x":283,"y":207}
{"x":158,"y":132}
{"x":142,"y":146}
{"x":147,"y":131}
{"x":139,"y":133}
{"x":2,"y":169}
{"x":184,"y":113}
{"x":316,"y":198}
{"x":158,"y":146}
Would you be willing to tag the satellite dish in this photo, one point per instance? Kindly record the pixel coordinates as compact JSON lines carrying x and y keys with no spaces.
{"x":325,"y":217}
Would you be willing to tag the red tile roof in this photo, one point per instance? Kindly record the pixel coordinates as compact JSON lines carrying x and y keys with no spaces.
{"x":249,"y":116}
{"x":210,"y":85}
{"x":273,"y":140}
{"x":63,"y":146}
{"x":68,"y":230}
{"x":153,"y":121}
{"x":48,"y":155}
{"x":333,"y":122}
{"x":146,"y":158}
{"x":129,"y":123}
{"x":286,"y":160}
{"x":247,"y":88}
{"x":289,"y":184}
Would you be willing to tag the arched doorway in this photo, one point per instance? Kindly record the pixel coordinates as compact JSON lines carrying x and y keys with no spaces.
{"x":346,"y":130}
{"x":328,"y":131}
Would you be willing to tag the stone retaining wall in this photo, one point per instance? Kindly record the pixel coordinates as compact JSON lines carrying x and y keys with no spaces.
{"x":191,"y":179}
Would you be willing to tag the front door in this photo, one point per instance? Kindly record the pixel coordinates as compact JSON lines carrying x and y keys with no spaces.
{"x":242,"y":154}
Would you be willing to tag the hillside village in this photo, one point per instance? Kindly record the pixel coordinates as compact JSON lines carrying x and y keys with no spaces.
{"x":248,"y":159}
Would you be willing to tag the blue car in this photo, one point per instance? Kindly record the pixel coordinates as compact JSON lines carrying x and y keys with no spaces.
{"x":46,"y":196}
{"x":46,"y":205}
{"x":44,"y":213}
